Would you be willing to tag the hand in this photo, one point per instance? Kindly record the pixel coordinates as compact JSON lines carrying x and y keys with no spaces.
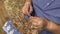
{"x":38,"y":22}
{"x":27,"y":9}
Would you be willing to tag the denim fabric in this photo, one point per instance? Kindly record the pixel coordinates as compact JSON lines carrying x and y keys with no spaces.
{"x":9,"y":29}
{"x":49,"y":9}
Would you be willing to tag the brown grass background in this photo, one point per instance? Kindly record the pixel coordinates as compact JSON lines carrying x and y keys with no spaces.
{"x":3,"y":16}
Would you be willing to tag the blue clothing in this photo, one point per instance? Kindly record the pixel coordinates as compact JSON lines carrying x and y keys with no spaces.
{"x":9,"y":29}
{"x":49,"y":9}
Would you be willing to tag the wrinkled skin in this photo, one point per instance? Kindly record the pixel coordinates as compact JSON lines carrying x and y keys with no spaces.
{"x":16,"y":13}
{"x":41,"y":23}
{"x":34,"y":25}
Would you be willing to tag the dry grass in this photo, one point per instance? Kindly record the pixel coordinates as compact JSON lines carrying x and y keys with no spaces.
{"x":3,"y":16}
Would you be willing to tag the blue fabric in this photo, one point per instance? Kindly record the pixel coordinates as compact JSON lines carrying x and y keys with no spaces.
{"x":45,"y":32}
{"x":9,"y":29}
{"x":49,"y":9}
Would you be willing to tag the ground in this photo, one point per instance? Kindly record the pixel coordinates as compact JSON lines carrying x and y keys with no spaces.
{"x":3,"y":16}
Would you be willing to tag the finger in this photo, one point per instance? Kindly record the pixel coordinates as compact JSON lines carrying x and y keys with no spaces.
{"x":28,"y":14}
{"x":34,"y":23}
{"x":25,"y":11}
{"x":37,"y":25}
{"x":30,"y":11}
{"x":34,"y":27}
{"x":34,"y":18}
{"x":31,"y":17}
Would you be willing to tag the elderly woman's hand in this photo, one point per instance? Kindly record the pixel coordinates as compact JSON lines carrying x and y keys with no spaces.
{"x":37,"y":22}
{"x":27,"y":8}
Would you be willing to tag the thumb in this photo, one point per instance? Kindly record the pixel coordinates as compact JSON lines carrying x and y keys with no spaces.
{"x":28,"y":14}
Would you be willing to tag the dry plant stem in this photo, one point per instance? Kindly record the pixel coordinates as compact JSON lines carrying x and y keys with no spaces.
{"x":18,"y":21}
